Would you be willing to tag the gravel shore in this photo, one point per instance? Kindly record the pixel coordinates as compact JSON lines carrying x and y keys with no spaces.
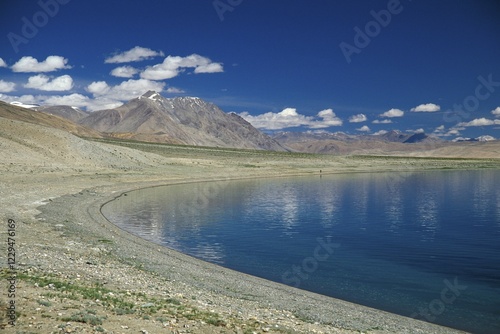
{"x":78,"y":273}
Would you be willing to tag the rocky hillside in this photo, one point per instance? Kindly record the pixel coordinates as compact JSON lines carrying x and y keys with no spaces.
{"x":71,"y":113}
{"x":181,"y":120}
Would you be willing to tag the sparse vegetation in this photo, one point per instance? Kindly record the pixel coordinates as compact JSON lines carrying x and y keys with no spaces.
{"x":86,"y":317}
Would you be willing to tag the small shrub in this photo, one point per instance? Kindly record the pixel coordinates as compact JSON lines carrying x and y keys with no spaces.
{"x":86,"y":318}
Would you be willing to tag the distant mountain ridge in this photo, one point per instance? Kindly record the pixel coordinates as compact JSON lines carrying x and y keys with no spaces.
{"x":180,"y":120}
{"x":342,"y":143}
{"x":71,"y":113}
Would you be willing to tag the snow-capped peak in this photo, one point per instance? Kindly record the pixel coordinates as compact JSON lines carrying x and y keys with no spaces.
{"x":22,"y":105}
{"x":152,"y":95}
{"x":485,"y":138}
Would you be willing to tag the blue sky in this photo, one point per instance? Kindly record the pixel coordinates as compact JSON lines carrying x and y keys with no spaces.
{"x":351,"y":66}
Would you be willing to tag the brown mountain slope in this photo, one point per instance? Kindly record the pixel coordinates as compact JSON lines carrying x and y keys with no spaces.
{"x":67,"y":112}
{"x":181,"y":120}
{"x":12,"y":112}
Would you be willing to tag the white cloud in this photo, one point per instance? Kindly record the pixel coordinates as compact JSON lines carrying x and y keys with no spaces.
{"x":480,"y":122}
{"x":125,"y":91}
{"x":357,"y":118}
{"x":82,"y":101}
{"x":496,"y":112}
{"x":364,"y":128}
{"x":384,"y":121}
{"x":2,"y":63}
{"x":289,"y":118}
{"x":103,"y":95}
{"x":439,"y":128}
{"x":209,"y":68}
{"x":75,"y":100}
{"x":124,"y":72}
{"x":328,"y":119}
{"x":393,"y":113}
{"x":428,"y":107}
{"x":30,"y":64}
{"x":98,"y":88}
{"x":136,"y":54}
{"x":7,"y":87}
{"x":452,"y":132}
{"x":43,"y":82}
{"x":172,"y":66}
{"x":417,"y":131}
{"x":381,"y":132}
{"x":26,"y":99}
{"x":174,"y":90}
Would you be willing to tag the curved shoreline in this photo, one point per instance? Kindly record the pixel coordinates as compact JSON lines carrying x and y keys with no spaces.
{"x":64,"y":235}
{"x":232,"y":285}
{"x":70,"y":259}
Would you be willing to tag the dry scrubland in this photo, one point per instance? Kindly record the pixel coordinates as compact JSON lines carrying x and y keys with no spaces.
{"x":77,"y":273}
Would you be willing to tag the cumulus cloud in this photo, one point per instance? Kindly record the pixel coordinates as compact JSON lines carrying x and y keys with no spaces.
{"x":364,"y":128}
{"x":124,"y":91}
{"x":384,"y":121}
{"x":136,"y":54}
{"x":98,"y":88}
{"x":380,"y":132}
{"x":2,"y":63}
{"x":480,"y":122}
{"x":209,"y":68}
{"x":172,"y":66}
{"x":328,"y":118}
{"x":496,"y":112}
{"x":103,"y":96}
{"x":124,"y":72}
{"x":29,"y":64}
{"x":452,"y":132}
{"x":439,"y":130}
{"x":7,"y":87}
{"x":75,"y":100}
{"x":428,"y":107}
{"x":357,"y":118}
{"x":393,"y":113}
{"x":43,"y":82}
{"x":289,"y":118}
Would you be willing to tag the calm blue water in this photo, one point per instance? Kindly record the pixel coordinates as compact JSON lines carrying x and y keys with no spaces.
{"x":423,"y":245}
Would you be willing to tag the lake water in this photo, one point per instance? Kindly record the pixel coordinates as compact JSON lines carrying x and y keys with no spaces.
{"x":423,"y":245}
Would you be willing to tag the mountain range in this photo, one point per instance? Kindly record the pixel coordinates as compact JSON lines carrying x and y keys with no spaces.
{"x":180,"y":120}
{"x":193,"y":121}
